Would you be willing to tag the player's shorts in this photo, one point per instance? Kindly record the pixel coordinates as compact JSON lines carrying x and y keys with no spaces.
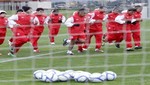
{"x":77,"y":36}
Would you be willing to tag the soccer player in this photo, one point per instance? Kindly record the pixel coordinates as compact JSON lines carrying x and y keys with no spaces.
{"x":127,"y":19}
{"x":54,"y":21}
{"x":136,"y":33}
{"x":22,"y":23}
{"x":76,"y":29}
{"x":87,"y":19}
{"x":96,"y":28}
{"x":113,"y":33}
{"x":37,"y":30}
{"x":19,"y":11}
{"x":3,"y":26}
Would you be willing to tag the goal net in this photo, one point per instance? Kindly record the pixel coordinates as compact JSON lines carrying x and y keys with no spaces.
{"x":132,"y":68}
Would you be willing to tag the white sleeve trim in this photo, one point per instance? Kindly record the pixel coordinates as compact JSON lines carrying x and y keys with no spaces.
{"x":36,"y":21}
{"x":119,"y":19}
{"x":47,"y":20}
{"x":105,"y":17}
{"x":12,"y":20}
{"x":69,"y":22}
{"x":63,"y":19}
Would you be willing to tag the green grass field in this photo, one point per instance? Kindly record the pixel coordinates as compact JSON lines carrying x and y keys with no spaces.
{"x":132,"y":68}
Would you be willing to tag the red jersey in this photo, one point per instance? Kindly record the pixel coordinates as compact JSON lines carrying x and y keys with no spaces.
{"x":41,"y":19}
{"x":137,"y":15}
{"x":77,"y":20}
{"x":111,"y":19}
{"x":128,"y":16}
{"x":55,"y":18}
{"x":98,"y":15}
{"x":3,"y":24}
{"x":25,"y":21}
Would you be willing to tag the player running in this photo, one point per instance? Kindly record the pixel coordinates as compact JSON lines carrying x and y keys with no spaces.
{"x":54,"y":21}
{"x":136,"y":33}
{"x":95,"y":28}
{"x":37,"y":30}
{"x":127,"y":19}
{"x":3,"y":26}
{"x":23,"y":23}
{"x":114,"y":29}
{"x":76,"y":29}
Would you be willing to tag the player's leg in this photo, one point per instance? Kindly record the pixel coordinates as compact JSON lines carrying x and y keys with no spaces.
{"x":18,"y":40}
{"x":2,"y":38}
{"x":51,"y":35}
{"x":137,"y":38}
{"x":109,"y":36}
{"x":34,"y":41}
{"x":128,"y":39}
{"x":98,"y":40}
{"x":73,"y":40}
{"x":71,"y":45}
{"x":88,"y":41}
{"x":80,"y":41}
{"x":118,"y":39}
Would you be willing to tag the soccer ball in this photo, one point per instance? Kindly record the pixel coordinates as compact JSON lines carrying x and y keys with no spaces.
{"x":53,"y":71}
{"x":110,"y":75}
{"x":49,"y":77}
{"x":63,"y":76}
{"x":82,"y":76}
{"x":97,"y":77}
{"x":38,"y":74}
{"x":70,"y":72}
{"x":76,"y":72}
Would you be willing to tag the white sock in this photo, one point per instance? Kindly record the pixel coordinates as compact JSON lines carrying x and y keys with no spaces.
{"x":68,"y":41}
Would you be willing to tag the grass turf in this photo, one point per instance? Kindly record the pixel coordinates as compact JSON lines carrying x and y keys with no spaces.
{"x":132,"y":68}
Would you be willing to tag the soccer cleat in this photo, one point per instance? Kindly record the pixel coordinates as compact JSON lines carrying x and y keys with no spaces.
{"x":129,"y":49}
{"x":70,"y":52}
{"x":52,"y":43}
{"x":138,"y":47}
{"x":11,"y":51}
{"x":36,"y":51}
{"x":65,"y":42}
{"x":117,"y":45}
{"x":80,"y":51}
{"x":101,"y":51}
{"x":98,"y":50}
{"x":11,"y":54}
{"x":84,"y":49}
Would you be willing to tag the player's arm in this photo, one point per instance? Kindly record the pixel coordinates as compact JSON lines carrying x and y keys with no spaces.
{"x":105,"y":17}
{"x":63,"y":19}
{"x":69,"y":22}
{"x":94,"y":20}
{"x":47,"y":20}
{"x":120,"y":19}
{"x":91,"y":20}
{"x":12,"y":21}
{"x":35,"y":21}
{"x":137,"y":19}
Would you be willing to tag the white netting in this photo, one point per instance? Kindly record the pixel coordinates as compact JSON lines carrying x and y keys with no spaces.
{"x":130,"y":67}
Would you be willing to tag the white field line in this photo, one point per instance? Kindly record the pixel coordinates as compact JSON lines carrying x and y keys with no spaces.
{"x":23,"y":58}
